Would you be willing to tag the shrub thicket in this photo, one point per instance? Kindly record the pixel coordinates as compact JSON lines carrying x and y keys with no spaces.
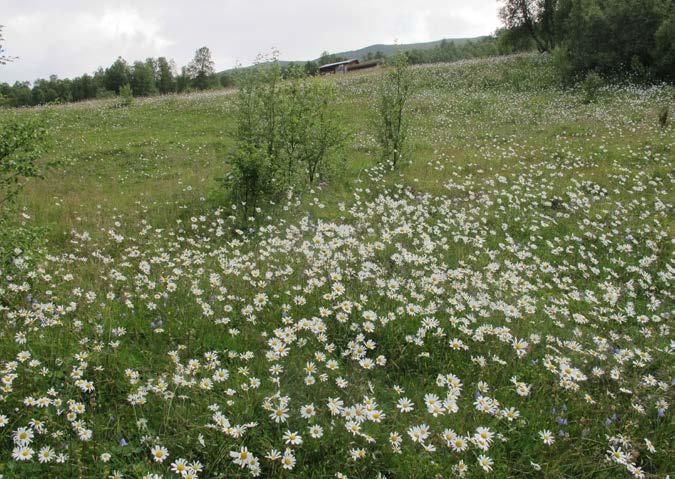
{"x":287,"y":134}
{"x":615,"y":38}
{"x":21,"y":144}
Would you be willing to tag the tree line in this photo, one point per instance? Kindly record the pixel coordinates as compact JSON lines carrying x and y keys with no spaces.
{"x":143,"y":78}
{"x":612,"y":38}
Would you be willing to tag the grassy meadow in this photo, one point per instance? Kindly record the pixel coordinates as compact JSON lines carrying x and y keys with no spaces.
{"x":498,"y":307}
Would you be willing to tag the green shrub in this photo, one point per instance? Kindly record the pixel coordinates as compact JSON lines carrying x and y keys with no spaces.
{"x":591,"y":87}
{"x":21,"y":143}
{"x":620,"y":38}
{"x":663,"y":117}
{"x":126,"y":95}
{"x":287,"y":134}
{"x":393,"y":123}
{"x":310,"y":131}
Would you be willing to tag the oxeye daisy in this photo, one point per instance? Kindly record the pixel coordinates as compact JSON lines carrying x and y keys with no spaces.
{"x":159,"y":453}
{"x":547,"y":437}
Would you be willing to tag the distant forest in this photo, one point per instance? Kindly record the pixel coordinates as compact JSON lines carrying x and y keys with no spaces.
{"x":160,"y":76}
{"x":625,"y":39}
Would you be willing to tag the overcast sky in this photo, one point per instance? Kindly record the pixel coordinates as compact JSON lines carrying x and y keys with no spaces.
{"x":71,"y":37}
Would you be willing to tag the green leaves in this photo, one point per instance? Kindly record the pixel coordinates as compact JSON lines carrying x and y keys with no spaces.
{"x":21,"y":143}
{"x":287,"y":132}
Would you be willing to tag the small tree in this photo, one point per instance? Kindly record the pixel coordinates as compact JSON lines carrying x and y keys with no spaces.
{"x":117,"y":75}
{"x":310,"y":131}
{"x":226,"y":80}
{"x":536,"y":18}
{"x":395,"y":90}
{"x":126,"y":95}
{"x":201,"y":68}
{"x":165,"y":79}
{"x":143,"y":79}
{"x":254,"y":162}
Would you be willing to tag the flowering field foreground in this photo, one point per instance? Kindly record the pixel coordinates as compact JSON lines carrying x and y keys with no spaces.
{"x":503,"y":311}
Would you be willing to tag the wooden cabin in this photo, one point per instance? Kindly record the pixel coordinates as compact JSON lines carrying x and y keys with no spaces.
{"x":337,"y":67}
{"x":345,"y":66}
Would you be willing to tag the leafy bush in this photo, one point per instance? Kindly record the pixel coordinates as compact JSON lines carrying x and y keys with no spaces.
{"x":617,"y":38}
{"x":21,"y":142}
{"x":126,"y":95}
{"x":393,"y":124}
{"x":591,"y":86}
{"x":286,"y":133}
{"x":309,"y":131}
{"x":663,"y":117}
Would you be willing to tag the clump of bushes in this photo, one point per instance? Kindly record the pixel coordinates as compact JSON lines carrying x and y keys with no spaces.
{"x":632,"y":39}
{"x":287,"y":135}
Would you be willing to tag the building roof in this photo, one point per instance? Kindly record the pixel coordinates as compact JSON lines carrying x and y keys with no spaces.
{"x":336,"y":64}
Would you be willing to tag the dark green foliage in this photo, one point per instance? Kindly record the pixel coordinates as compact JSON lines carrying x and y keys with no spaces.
{"x":632,"y":39}
{"x":378,"y":55}
{"x":143,"y":79}
{"x":311,"y":68}
{"x":165,"y":80}
{"x":536,"y":18}
{"x":591,"y":86}
{"x":117,"y":75}
{"x":619,"y":37}
{"x":226,"y":80}
{"x":183,"y":83}
{"x":513,"y":40}
{"x":202,"y":69}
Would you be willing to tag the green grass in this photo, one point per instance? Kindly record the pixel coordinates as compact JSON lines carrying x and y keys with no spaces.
{"x":521,"y":211}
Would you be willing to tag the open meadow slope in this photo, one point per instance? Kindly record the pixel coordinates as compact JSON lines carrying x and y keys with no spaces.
{"x":500,"y":307}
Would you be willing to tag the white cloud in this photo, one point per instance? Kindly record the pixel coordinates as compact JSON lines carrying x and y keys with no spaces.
{"x":129,"y":26}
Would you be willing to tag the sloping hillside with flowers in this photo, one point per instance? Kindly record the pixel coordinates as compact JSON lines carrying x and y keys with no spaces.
{"x":500,"y":307}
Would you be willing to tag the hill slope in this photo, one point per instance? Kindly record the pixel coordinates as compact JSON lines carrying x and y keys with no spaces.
{"x":387,"y":49}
